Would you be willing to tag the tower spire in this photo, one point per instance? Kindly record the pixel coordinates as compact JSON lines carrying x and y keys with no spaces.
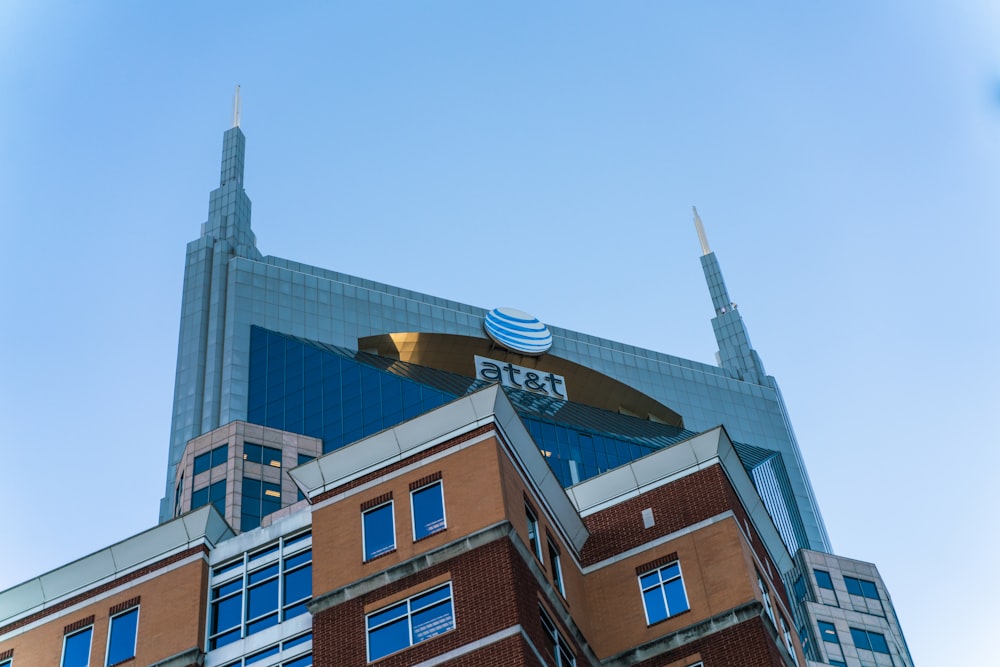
{"x":236,"y":109}
{"x":697,"y":225}
{"x":735,"y":352}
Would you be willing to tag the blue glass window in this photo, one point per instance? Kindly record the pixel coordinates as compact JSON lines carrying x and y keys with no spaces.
{"x":76,"y":648}
{"x":379,"y":530}
{"x":303,"y":458}
{"x":428,"y":510}
{"x":410,"y":622}
{"x":800,"y":588}
{"x":259,"y":499}
{"x":121,"y":640}
{"x":663,"y":593}
{"x":555,"y":560}
{"x":533,"y":538}
{"x":823,"y":579}
{"x":268,"y":456}
{"x":209,"y":460}
{"x":214,"y":493}
{"x":861,"y":587}
{"x":827,"y":632}
{"x":870,"y":641}
{"x":555,"y":645}
{"x":263,"y":589}
{"x":298,"y":584}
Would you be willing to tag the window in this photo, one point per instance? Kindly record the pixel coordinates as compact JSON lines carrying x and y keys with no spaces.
{"x":209,"y":460}
{"x":533,"y":537}
{"x":259,"y":499}
{"x":410,"y":622}
{"x":823,"y":579}
{"x":871,"y":641}
{"x":288,"y":648}
{"x":837,"y":663}
{"x":428,"y":510}
{"x":268,"y":456}
{"x":555,"y":645}
{"x":260,"y":590}
{"x":121,"y":636}
{"x":800,"y":589}
{"x":76,"y":648}
{"x":827,"y":632}
{"x":861,"y":587}
{"x":663,"y":593}
{"x":766,"y":595}
{"x":379,"y":531}
{"x":6,"y":663}
{"x":788,"y":641}
{"x":556,"y":561}
{"x":214,"y":493}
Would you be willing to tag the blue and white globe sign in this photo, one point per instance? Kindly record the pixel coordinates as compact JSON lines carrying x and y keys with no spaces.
{"x":517,"y":331}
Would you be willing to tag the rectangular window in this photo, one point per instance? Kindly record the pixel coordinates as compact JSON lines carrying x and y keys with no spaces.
{"x":871,"y":641}
{"x":379,"y":531}
{"x":268,"y":456}
{"x":827,"y":632}
{"x":861,"y":587}
{"x":766,"y":595}
{"x":837,"y":663}
{"x":555,"y":645}
{"x":663,"y":593}
{"x":823,"y":579}
{"x":76,"y":648}
{"x":410,"y":622}
{"x":122,"y":635}
{"x":786,"y":633}
{"x":214,"y":493}
{"x":533,"y":537}
{"x":260,"y":590}
{"x":556,"y":561}
{"x":428,"y":510}
{"x":800,"y":589}
{"x":209,"y":460}
{"x":259,"y":500}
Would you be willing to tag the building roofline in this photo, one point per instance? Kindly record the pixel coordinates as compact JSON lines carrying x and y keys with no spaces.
{"x":204,"y":526}
{"x":488,"y":406}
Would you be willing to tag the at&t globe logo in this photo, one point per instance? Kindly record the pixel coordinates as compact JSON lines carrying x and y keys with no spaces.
{"x":517,"y":331}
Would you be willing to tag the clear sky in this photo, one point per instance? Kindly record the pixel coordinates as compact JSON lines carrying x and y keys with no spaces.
{"x":545,"y":156}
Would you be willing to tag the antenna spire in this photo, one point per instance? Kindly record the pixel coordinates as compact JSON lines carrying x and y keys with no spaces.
{"x":236,"y":107}
{"x":697,"y":225}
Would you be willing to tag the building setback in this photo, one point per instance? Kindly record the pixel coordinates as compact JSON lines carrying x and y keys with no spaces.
{"x":361,"y":474}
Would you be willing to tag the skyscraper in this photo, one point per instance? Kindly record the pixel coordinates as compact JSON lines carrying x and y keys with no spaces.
{"x":347,"y":458}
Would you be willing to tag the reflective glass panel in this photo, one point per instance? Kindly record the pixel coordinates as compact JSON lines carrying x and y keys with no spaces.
{"x":76,"y":648}
{"x":121,"y":642}
{"x":379,"y":531}
{"x":428,"y":511}
{"x":823,"y":579}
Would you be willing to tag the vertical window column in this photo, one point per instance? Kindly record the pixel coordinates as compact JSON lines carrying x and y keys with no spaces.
{"x":122,"y":635}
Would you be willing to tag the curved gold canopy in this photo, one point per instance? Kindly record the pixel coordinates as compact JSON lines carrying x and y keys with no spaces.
{"x":454,"y":353}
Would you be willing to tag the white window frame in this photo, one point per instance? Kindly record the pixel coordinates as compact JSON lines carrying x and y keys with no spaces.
{"x":662,"y":585}
{"x":555,"y":558}
{"x":534,"y":530}
{"x":364,"y":538}
{"x":409,"y":619}
{"x":135,"y":639}
{"x":90,"y":648}
{"x":413,"y":514}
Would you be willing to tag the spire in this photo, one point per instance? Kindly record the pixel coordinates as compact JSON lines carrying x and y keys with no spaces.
{"x":236,"y":108}
{"x":735,"y":353}
{"x":697,"y":225}
{"x":233,"y":147}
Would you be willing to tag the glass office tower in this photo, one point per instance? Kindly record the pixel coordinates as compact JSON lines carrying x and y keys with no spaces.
{"x":237,"y":303}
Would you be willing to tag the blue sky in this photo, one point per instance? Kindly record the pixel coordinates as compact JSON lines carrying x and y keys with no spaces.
{"x":843,"y":155}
